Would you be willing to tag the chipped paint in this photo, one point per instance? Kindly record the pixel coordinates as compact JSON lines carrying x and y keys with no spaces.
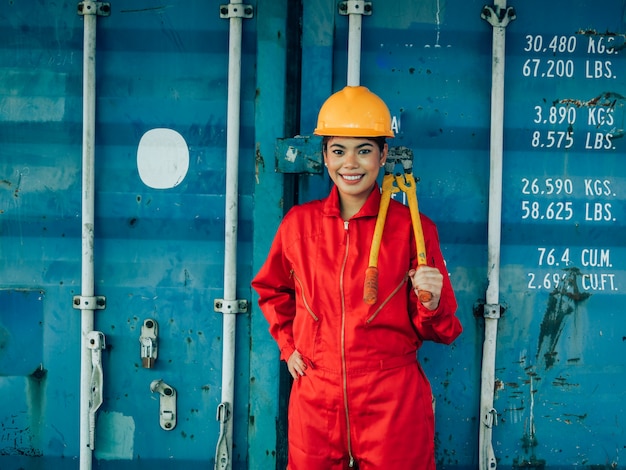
{"x":612,"y":45}
{"x":607,"y":99}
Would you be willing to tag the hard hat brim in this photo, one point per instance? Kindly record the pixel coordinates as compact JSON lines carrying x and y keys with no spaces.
{"x":348,"y":132}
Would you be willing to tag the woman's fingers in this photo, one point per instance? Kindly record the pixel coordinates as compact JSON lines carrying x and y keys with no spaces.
{"x":429,"y":279}
{"x":296,"y":365}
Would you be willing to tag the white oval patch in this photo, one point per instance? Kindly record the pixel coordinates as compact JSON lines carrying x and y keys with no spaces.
{"x":162,"y":158}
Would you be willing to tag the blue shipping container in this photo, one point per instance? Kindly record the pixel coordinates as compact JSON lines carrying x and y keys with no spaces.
{"x":148,"y":152}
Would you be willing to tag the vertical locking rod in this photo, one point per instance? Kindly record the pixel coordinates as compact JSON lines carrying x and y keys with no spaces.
{"x":89,"y":10}
{"x":499,"y":17}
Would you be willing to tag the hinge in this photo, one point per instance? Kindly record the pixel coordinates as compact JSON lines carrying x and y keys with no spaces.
{"x":236,"y":10}
{"x":230,"y":306}
{"x":89,"y":7}
{"x":355,"y":7}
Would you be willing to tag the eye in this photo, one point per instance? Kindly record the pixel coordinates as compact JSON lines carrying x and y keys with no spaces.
{"x":337,"y":151}
{"x":365,"y":151}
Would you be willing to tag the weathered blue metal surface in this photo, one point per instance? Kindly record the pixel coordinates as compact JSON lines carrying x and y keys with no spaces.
{"x":159,"y":251}
{"x":561,"y":357}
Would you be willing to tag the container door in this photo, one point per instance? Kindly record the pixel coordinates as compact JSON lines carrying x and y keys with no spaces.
{"x":161,"y":100}
{"x":559,"y":363}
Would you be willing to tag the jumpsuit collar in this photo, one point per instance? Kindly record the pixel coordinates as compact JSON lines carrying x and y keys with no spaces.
{"x":369,"y":209}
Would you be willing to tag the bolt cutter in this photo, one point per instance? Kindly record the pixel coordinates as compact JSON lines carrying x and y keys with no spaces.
{"x":403,"y":182}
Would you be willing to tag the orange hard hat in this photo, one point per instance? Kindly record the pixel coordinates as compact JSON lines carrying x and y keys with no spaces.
{"x":354,"y":112}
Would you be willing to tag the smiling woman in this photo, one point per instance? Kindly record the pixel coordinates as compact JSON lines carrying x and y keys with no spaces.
{"x":333,"y":340}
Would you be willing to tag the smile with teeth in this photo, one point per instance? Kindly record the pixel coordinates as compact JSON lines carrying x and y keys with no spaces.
{"x":352,"y":177}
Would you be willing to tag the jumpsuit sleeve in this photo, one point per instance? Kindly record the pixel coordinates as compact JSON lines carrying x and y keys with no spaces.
{"x":440,"y":325}
{"x":275,"y":286}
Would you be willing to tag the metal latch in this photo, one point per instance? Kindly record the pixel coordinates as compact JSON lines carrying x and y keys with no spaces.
{"x":230,"y":306}
{"x":167,"y":403}
{"x":149,"y":343}
{"x":236,"y":10}
{"x":222,"y":459}
{"x":355,"y":7}
{"x":95,"y":342}
{"x":94,"y":8}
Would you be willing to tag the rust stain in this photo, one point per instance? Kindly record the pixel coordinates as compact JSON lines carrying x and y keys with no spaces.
{"x":562,"y":303}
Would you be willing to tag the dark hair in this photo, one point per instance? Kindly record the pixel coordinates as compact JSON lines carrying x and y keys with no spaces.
{"x":380,"y":141}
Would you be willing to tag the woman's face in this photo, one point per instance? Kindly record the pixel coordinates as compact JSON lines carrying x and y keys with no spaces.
{"x":353,"y":164}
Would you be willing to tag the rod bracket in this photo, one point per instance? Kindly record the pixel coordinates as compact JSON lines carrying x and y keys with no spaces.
{"x":355,"y":7}
{"x":498,"y":17}
{"x":82,"y":302}
{"x":89,"y":7}
{"x":236,"y":10}
{"x":492,"y":311}
{"x":230,"y":306}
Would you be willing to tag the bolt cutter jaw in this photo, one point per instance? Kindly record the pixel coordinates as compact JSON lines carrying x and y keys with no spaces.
{"x":399,"y":155}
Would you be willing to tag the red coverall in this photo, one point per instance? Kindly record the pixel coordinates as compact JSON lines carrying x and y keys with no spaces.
{"x":364,"y":398}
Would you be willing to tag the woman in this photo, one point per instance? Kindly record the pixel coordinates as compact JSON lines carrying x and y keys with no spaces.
{"x":359,"y":397}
